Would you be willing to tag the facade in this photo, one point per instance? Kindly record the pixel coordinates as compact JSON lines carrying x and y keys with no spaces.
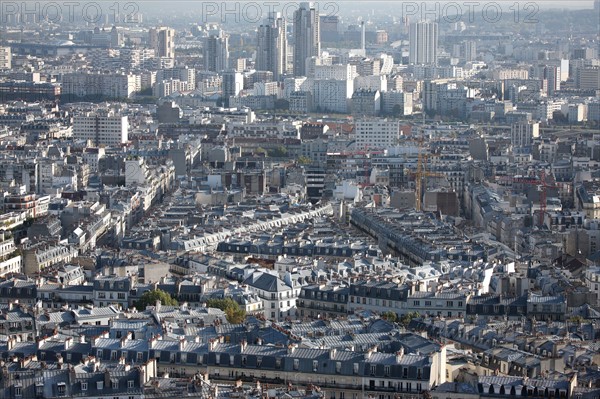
{"x":423,"y":43}
{"x":162,"y":40}
{"x":113,"y":85}
{"x":332,"y":95}
{"x":233,"y":83}
{"x":377,"y":133}
{"x":322,"y":301}
{"x":216,"y":52}
{"x":366,"y":103}
{"x":5,"y":58}
{"x":101,"y":128}
{"x":271,"y":51}
{"x":278,"y":296}
{"x":307,"y":36}
{"x":397,"y":103}
{"x":522,"y":134}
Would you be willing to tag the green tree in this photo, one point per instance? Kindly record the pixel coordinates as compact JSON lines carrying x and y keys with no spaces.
{"x":278,"y":152}
{"x":302,"y":160}
{"x":234,"y":312}
{"x":405,"y":319}
{"x":260,"y":150}
{"x":149,"y":298}
{"x":389,"y":316}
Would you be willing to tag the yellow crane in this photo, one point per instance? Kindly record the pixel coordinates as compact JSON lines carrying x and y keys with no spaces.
{"x":421,"y":177}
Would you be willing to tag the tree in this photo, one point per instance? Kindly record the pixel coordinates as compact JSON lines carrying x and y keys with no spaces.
{"x":149,"y":298}
{"x":406,"y":319}
{"x":389,"y":316}
{"x":302,"y":160}
{"x":260,"y":150}
{"x":233,"y":311}
{"x":278,"y":152}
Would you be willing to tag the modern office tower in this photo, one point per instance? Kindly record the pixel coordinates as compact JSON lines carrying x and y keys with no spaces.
{"x":5,"y":58}
{"x":588,"y":78}
{"x":233,"y":83}
{"x":423,"y":43}
{"x":307,"y":37}
{"x":271,"y":51}
{"x":329,"y":25}
{"x":162,"y":40}
{"x":103,"y":127}
{"x":216,"y":51}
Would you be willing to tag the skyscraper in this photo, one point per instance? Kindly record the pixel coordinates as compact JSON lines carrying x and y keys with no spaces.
{"x":162,"y":40}
{"x":216,"y":51}
{"x":307,"y":37}
{"x":423,"y":43}
{"x":271,"y":52}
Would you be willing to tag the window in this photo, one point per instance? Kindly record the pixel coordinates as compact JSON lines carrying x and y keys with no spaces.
{"x":18,"y":391}
{"x":373,"y":369}
{"x":315,"y":365}
{"x":184,"y":358}
{"x":130,"y":384}
{"x":84,"y":386}
{"x":61,"y":388}
{"x":296,"y":364}
{"x":140,"y":356}
{"x":115,"y":384}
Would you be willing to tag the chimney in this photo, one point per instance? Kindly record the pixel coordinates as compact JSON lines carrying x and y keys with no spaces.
{"x":291,"y":349}
{"x":259,"y":341}
{"x":332,"y":353}
{"x":362,"y":36}
{"x":400,"y":354}
{"x":182,"y":343}
{"x":243,"y":345}
{"x":68,"y":342}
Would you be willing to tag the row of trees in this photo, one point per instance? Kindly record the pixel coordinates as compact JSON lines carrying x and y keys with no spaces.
{"x":234,"y":312}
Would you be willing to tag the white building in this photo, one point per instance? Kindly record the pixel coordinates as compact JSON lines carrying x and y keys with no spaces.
{"x":522,"y":134}
{"x":162,"y":40}
{"x":332,"y":95}
{"x":391,"y":101}
{"x":376,"y":133}
{"x":423,"y":43}
{"x":338,"y":72}
{"x":232,"y":83}
{"x":278,"y":296}
{"x":101,"y":128}
{"x":5,"y":58}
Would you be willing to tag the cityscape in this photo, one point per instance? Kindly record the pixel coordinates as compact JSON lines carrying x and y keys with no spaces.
{"x":300,"y":200}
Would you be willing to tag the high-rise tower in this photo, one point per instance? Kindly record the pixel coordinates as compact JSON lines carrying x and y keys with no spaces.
{"x":307,"y":37}
{"x":271,"y":52}
{"x":423,"y":43}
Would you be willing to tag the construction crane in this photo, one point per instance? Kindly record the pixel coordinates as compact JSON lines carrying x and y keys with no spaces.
{"x":541,"y":185}
{"x":421,"y":177}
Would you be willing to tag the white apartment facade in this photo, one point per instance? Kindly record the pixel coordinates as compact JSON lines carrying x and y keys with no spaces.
{"x":101,"y":128}
{"x":376,"y":133}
